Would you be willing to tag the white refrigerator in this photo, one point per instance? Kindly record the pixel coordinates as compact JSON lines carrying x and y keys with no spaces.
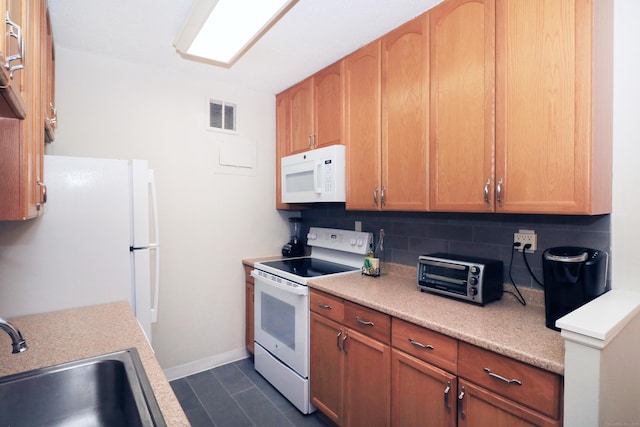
{"x":97,"y":242}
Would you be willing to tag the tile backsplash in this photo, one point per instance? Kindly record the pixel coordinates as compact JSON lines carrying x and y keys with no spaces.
{"x":490,"y":235}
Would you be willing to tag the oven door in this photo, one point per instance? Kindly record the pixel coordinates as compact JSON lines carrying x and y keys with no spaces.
{"x":282,"y":321}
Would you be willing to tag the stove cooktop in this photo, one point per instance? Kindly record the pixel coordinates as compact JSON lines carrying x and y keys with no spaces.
{"x":309,"y":267}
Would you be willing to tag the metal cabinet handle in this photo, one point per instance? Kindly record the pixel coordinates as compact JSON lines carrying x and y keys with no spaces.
{"x":363,"y":322}
{"x":499,"y":192}
{"x":375,"y":196}
{"x":43,"y":190}
{"x":446,"y":397}
{"x":344,"y":343}
{"x":309,"y":140}
{"x":460,"y":397}
{"x":338,"y":339}
{"x":15,"y":31}
{"x":323,"y":305}
{"x":418,"y":344}
{"x":382,"y":198}
{"x":486,"y":192}
{"x":501,"y":378}
{"x":53,"y":121}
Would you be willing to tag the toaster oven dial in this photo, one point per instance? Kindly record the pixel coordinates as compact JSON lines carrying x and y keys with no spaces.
{"x":473,"y":281}
{"x":475,"y":270}
{"x":473,"y":291}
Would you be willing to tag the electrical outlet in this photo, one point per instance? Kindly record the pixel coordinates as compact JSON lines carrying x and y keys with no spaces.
{"x":526,"y":237}
{"x":358,"y":226}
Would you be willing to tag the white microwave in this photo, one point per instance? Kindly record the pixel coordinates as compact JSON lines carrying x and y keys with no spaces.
{"x":314,"y":176}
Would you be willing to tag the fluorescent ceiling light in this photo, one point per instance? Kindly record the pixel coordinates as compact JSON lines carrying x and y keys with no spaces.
{"x":221,"y":31}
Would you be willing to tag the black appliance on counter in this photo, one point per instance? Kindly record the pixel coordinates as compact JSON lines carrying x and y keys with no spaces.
{"x":295,"y":246}
{"x":573,"y":276}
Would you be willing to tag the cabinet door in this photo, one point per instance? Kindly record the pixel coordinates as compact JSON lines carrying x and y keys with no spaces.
{"x":405,"y":116}
{"x":478,"y":407}
{"x":283,"y":141}
{"x":328,"y":88}
{"x":462,"y":105}
{"x":362,"y":127}
{"x":327,"y":366}
{"x":543,"y":106}
{"x":301,"y":113}
{"x":12,"y":96}
{"x":248,"y":305}
{"x":48,"y":80}
{"x":423,"y":395}
{"x":367,"y":385}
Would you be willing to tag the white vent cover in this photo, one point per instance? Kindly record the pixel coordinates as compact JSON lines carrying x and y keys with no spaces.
{"x":222,"y":116}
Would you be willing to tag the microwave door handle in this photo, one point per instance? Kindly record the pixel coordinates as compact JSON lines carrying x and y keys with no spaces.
{"x":316,"y":178}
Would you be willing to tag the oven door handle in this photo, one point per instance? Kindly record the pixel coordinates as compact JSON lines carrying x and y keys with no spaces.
{"x":297,"y":290}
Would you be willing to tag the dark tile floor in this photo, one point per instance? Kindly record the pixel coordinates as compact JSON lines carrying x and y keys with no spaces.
{"x":235,"y":395}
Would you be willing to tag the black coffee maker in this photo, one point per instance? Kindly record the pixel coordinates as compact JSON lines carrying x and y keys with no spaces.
{"x":573,"y":276}
{"x":295,"y":246}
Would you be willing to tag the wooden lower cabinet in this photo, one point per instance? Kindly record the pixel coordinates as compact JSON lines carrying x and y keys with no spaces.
{"x":327,"y":367}
{"x":368,"y":369}
{"x":248,"y":304}
{"x":422,"y":395}
{"x":366,"y":381}
{"x":479,"y":407}
{"x":350,"y":369}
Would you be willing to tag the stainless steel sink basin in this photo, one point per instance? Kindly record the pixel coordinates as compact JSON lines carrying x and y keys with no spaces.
{"x":107,"y":390}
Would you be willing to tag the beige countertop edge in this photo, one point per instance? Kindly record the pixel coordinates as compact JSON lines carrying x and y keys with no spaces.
{"x":69,"y":335}
{"x":527,"y":339}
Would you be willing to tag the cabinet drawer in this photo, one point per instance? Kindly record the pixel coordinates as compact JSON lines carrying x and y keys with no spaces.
{"x":326,"y":305}
{"x":522,"y":383}
{"x":437,"y":349}
{"x":368,"y":322}
{"x":247,"y":274}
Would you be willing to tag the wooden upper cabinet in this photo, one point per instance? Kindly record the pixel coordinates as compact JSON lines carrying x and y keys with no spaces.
{"x":301,"y":114}
{"x":22,"y":190}
{"x":316,"y":110}
{"x":362,"y":127}
{"x":553,"y":151}
{"x":405,"y":116}
{"x":283,"y":141}
{"x":13,"y":83}
{"x":462,"y":107}
{"x":328,"y":96}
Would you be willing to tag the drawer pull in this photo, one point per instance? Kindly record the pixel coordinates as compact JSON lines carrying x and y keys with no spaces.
{"x":338,"y":339}
{"x":446,"y":397}
{"x":418,"y":344}
{"x":501,"y":378}
{"x":323,"y":305}
{"x":363,"y":322}
{"x":460,"y":411}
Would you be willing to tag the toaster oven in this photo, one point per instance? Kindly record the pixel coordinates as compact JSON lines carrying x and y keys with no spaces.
{"x":476,"y":280}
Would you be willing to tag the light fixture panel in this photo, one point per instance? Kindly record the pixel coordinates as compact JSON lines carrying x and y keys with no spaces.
{"x":221,"y":31}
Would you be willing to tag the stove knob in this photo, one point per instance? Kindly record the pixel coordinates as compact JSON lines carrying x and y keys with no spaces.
{"x":353,"y":242}
{"x":312,"y":236}
{"x":360,"y":242}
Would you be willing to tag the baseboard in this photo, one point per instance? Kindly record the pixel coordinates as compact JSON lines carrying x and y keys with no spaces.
{"x":194,"y":367}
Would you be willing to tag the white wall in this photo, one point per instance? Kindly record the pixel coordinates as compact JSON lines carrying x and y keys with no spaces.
{"x":626,"y":147}
{"x":208,"y":221}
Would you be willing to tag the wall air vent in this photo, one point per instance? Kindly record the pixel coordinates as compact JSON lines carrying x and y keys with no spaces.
{"x":222,"y":116}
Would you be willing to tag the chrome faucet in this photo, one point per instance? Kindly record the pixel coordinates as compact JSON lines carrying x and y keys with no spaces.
{"x":18,"y":342}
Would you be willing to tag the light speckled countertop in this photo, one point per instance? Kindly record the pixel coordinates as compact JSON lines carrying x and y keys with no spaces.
{"x":69,"y":335}
{"x":505,"y":327}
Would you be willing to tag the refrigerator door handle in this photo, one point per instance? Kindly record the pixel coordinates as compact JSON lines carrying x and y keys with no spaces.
{"x":155,"y":246}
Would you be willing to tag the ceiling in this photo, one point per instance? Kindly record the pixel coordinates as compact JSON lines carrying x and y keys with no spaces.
{"x":313,"y":34}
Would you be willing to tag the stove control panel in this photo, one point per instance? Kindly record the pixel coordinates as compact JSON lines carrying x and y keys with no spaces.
{"x":357,"y":242}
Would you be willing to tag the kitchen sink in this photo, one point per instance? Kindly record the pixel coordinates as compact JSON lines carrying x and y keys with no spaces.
{"x":107,"y":390}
